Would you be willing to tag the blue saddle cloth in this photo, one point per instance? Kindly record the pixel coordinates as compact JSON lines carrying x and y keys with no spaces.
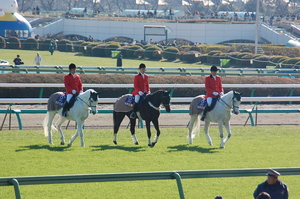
{"x":61,"y":100}
{"x":202,"y":104}
{"x":129,"y":101}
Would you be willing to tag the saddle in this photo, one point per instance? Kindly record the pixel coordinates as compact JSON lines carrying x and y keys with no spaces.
{"x":129,"y":101}
{"x":61,"y":100}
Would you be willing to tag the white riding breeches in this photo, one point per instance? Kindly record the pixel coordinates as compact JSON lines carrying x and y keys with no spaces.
{"x":137,"y":98}
{"x":69,"y":97}
{"x":209,"y":101}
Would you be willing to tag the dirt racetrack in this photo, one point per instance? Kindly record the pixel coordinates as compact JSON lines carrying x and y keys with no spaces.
{"x":101,"y":121}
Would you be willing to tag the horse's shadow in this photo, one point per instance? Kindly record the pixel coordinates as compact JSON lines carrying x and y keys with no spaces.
{"x":118,"y":147}
{"x":48,"y":147}
{"x":192,"y":148}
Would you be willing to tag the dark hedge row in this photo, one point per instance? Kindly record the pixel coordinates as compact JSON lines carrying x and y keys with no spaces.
{"x":127,"y":79}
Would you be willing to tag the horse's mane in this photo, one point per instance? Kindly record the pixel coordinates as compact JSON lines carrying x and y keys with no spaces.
{"x":153,"y":94}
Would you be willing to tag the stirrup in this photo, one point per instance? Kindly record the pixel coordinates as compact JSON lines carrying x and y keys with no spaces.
{"x":132,"y":115}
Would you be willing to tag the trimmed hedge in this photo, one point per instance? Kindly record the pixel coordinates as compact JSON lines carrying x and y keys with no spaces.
{"x":170,"y":53}
{"x":191,"y":56}
{"x":13,"y":43}
{"x":30,"y":44}
{"x":130,"y":52}
{"x":111,"y":46}
{"x":153,"y":52}
{"x":44,"y":44}
{"x":65,"y":45}
{"x":2,"y":42}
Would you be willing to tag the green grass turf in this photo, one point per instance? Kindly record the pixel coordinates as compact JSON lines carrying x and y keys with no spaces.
{"x":64,"y":59}
{"x":27,"y":153}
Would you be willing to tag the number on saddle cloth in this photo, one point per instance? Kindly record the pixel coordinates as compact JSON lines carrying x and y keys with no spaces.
{"x":60,"y":101}
{"x":202,"y":104}
{"x":129,"y":101}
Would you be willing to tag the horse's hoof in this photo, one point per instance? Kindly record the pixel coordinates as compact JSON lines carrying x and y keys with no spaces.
{"x":153,"y":144}
{"x":150,"y":144}
{"x":115,"y":142}
{"x":210,"y":143}
{"x":62,"y":143}
{"x":69,"y":145}
{"x":137,"y":143}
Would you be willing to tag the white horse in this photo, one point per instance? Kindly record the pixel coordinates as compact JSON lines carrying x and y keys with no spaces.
{"x":220,"y":114}
{"x":79,"y":113}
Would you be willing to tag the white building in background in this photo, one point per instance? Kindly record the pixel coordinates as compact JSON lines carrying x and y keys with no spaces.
{"x":209,"y":33}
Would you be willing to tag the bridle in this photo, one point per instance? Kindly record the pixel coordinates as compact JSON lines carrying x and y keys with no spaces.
{"x":90,"y":102}
{"x":230,"y":107}
{"x":164,"y":103}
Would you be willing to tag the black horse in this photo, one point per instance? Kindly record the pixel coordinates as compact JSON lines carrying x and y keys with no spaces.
{"x":148,"y":111}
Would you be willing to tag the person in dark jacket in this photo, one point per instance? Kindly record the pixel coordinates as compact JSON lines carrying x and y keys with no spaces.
{"x":274,"y":187}
{"x":119,"y":61}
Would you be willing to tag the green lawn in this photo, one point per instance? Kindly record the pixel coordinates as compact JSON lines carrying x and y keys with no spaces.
{"x":64,"y":59}
{"x":27,"y":153}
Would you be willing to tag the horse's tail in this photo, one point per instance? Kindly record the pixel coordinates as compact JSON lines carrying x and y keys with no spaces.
{"x":194,"y":126}
{"x":46,"y":121}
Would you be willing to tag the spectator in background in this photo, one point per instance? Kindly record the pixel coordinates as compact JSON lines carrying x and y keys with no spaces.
{"x":274,"y":187}
{"x":18,"y":60}
{"x":37,"y":10}
{"x":51,"y":47}
{"x":38,"y":59}
{"x":119,"y":61}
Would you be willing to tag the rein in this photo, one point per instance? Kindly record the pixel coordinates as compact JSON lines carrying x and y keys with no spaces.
{"x":230,"y":107}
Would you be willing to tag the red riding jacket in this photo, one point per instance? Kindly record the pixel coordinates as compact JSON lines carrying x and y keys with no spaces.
{"x":140,"y":84}
{"x":212,"y":85}
{"x":73,"y":83}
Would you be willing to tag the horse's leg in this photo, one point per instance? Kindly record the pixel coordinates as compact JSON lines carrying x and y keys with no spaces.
{"x":62,"y":137}
{"x":227,"y":126}
{"x":132,"y":130}
{"x":80,"y":129}
{"x":220,"y":125}
{"x":117,"y":118}
{"x":49,"y":120}
{"x":193,"y":127}
{"x":148,"y":132}
{"x":206,"y":128}
{"x":155,"y":123}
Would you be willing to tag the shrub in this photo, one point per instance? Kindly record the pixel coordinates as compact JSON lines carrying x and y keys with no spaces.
{"x":170,"y":53}
{"x":44,"y":44}
{"x":185,"y":48}
{"x":139,"y":53}
{"x":243,"y":60}
{"x":289,"y":63}
{"x":30,"y":44}
{"x":210,"y":54}
{"x":76,"y":45}
{"x":83,"y":47}
{"x":261,"y":61}
{"x":153,"y":52}
{"x":191,"y":56}
{"x":13,"y":43}
{"x":131,"y":50}
{"x":98,"y":51}
{"x":65,"y":45}
{"x":111,"y":46}
{"x":195,"y":48}
{"x":123,"y":50}
{"x":2,"y":42}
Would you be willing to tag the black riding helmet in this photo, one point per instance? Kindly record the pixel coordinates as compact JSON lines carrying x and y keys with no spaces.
{"x":214,"y":68}
{"x":72,"y":66}
{"x":142,"y":66}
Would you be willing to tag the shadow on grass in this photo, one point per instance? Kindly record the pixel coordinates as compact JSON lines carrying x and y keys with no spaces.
{"x":48,"y":147}
{"x":113,"y":147}
{"x":192,"y":148}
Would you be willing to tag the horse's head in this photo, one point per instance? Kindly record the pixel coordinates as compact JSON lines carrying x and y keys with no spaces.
{"x":93,"y":100}
{"x":166,"y":98}
{"x":236,"y":101}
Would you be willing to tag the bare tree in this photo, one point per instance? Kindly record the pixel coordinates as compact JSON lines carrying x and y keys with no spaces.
{"x":48,"y":5}
{"x":25,"y":5}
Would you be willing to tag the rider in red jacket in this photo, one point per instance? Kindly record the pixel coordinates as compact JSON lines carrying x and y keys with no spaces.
{"x":214,"y":89}
{"x":73,"y":86}
{"x":141,"y":87}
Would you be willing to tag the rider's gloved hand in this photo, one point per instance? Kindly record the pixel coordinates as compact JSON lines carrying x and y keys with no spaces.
{"x":141,"y":93}
{"x":74,"y":92}
{"x":80,"y":91}
{"x":222,"y":93}
{"x":215,"y":93}
{"x":149,"y":92}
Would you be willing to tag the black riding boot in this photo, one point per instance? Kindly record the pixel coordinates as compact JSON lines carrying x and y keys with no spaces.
{"x":204,"y":112}
{"x":135,"y":109}
{"x":65,"y":109}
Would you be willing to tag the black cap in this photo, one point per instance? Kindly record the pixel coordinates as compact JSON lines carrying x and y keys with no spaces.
{"x":142,"y":66}
{"x":214,"y":68}
{"x":272,"y":172}
{"x":72,"y":66}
